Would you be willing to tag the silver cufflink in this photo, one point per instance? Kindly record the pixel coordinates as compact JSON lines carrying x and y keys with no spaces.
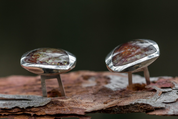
{"x":133,"y":56}
{"x":49,"y":63}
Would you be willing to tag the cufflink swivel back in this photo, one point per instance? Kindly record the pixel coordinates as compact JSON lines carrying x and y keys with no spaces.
{"x":133,"y":56}
{"x":49,"y":63}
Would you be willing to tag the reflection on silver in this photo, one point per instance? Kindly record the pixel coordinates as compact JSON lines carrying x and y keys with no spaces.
{"x":43,"y":69}
{"x":48,"y":71}
{"x":135,"y":66}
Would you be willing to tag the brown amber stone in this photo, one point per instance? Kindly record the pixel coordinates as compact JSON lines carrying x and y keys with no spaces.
{"x":132,"y":51}
{"x":48,"y":56}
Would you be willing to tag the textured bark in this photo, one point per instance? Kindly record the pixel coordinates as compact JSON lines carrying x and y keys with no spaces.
{"x":88,"y":92}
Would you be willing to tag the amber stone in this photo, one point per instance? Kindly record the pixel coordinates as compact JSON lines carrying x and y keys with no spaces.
{"x":48,"y":56}
{"x":131,"y":51}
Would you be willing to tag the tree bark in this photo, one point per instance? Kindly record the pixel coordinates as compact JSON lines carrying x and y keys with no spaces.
{"x":88,"y":92}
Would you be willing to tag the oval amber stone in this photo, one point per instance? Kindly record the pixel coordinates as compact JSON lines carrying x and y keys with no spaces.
{"x":131,"y":51}
{"x":48,"y":56}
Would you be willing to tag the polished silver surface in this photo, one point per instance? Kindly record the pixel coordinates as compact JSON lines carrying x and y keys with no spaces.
{"x":48,"y":71}
{"x":43,"y":69}
{"x":147,"y":75}
{"x":43,"y":84}
{"x":135,"y":66}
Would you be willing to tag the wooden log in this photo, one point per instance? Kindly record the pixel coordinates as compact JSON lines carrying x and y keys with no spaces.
{"x":89,"y":92}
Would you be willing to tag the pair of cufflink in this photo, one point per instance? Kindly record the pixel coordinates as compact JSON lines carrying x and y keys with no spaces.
{"x":133,"y":56}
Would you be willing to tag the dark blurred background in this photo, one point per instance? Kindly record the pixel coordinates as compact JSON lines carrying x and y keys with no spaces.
{"x":88,"y":29}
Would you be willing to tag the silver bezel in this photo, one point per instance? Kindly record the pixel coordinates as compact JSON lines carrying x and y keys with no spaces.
{"x":53,"y":69}
{"x":141,"y":62}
